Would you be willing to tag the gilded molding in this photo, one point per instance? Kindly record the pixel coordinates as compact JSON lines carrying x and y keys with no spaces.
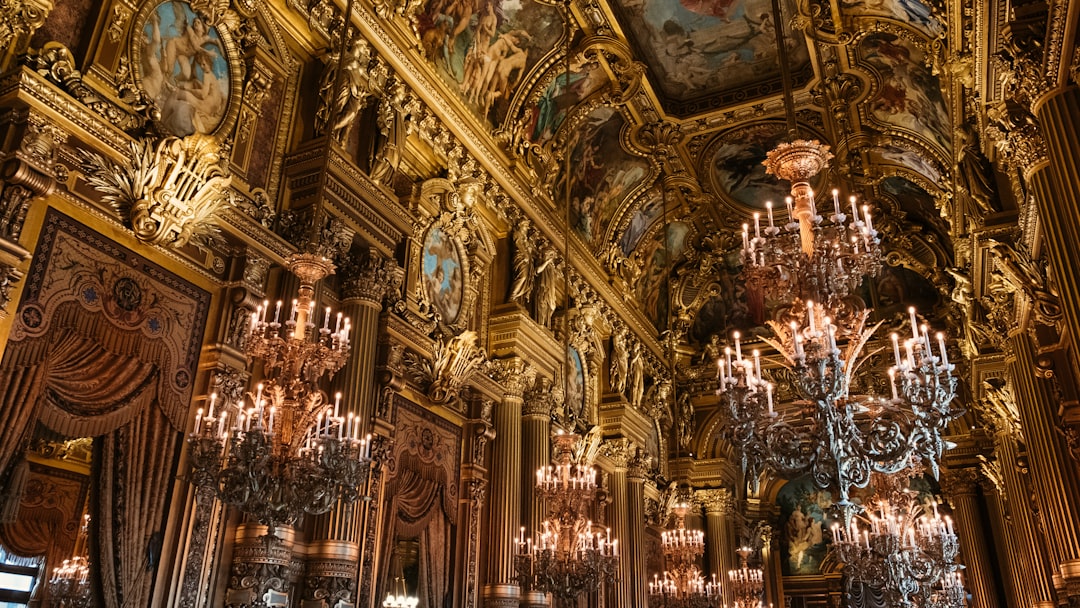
{"x":960,"y":482}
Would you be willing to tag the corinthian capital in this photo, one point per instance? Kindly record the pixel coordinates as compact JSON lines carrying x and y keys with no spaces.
{"x":620,"y":451}
{"x":960,"y":482}
{"x":716,"y":501}
{"x":366,"y":276}
{"x":513,"y":374}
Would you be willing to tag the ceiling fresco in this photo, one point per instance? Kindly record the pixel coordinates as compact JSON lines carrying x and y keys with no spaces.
{"x":658,"y":254}
{"x":735,"y":168}
{"x":485,"y":49}
{"x":910,"y":95}
{"x":709,"y":48}
{"x":708,"y":71}
{"x":604,"y":173}
{"x":912,"y":12}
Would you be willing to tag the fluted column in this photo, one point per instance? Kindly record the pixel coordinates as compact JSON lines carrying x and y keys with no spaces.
{"x":1054,"y":473}
{"x":619,"y":451}
{"x":719,"y":536}
{"x":961,"y":488}
{"x":335,"y":547}
{"x":1032,"y":564}
{"x":1058,"y":114}
{"x":636,"y":471}
{"x":502,"y":590}
{"x":1005,"y":546}
{"x":536,"y":452}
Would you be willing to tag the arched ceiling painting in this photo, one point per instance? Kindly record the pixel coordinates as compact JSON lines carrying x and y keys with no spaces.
{"x":707,"y":72}
{"x":703,"y":54}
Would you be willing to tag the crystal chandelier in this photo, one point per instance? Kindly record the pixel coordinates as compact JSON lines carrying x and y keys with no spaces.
{"x":747,"y":584}
{"x":69,"y":586}
{"x":400,"y":598}
{"x":818,"y":260}
{"x":682,"y":584}
{"x":902,"y":547}
{"x":838,"y":436}
{"x":569,"y":554}
{"x":291,"y":451}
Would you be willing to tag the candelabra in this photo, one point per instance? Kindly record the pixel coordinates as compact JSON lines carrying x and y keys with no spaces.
{"x":569,"y":554}
{"x":69,"y":586}
{"x":400,"y":598}
{"x":291,"y":452}
{"x":747,"y":583}
{"x":903,"y":548}
{"x":682,"y":584}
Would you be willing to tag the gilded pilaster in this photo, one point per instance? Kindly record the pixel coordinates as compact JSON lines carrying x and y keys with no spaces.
{"x":502,"y":590}
{"x":719,"y":536}
{"x":961,"y":488}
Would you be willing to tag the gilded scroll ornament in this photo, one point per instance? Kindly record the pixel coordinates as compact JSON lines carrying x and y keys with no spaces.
{"x":171,"y":190}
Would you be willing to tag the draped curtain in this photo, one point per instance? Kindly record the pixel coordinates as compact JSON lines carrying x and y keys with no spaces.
{"x":417,"y":506}
{"x":864,"y":596}
{"x":74,"y":386}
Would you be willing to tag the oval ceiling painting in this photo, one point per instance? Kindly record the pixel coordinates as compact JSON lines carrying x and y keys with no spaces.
{"x":442,"y":274}
{"x":182,"y":67}
{"x":485,"y":49}
{"x":576,"y":383}
{"x":735,"y":167}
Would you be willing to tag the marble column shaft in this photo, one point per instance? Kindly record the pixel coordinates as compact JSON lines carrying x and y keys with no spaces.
{"x":502,"y":589}
{"x":1054,"y":473}
{"x":961,"y":486}
{"x":720,"y":537}
{"x":1006,"y":549}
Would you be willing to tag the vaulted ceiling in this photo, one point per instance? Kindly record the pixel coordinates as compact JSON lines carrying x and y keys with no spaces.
{"x":667,"y":108}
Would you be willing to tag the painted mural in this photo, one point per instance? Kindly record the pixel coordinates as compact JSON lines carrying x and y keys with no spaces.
{"x":910,"y":95}
{"x":443,"y":282}
{"x":604,"y":173}
{"x":700,"y":46}
{"x":657,"y":257}
{"x":183,"y":68}
{"x":913,"y":12}
{"x":915,"y":200}
{"x":576,"y":385}
{"x":804,"y":527}
{"x":584,"y":78}
{"x":907,"y":158}
{"x":736,"y":169}
{"x":484,"y":48}
{"x":640,"y":222}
